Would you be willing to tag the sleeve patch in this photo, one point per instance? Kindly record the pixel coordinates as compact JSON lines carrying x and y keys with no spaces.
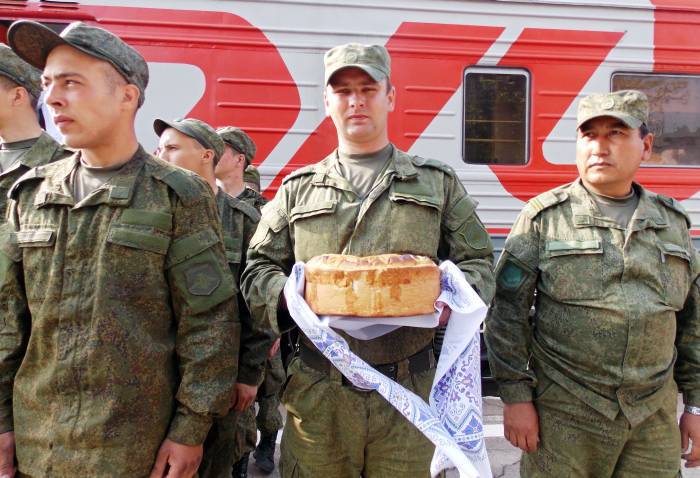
{"x":511,"y":276}
{"x":202,"y":279}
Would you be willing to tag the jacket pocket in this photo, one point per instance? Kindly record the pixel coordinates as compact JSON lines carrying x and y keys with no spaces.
{"x":314,"y":229}
{"x":675,"y":272}
{"x":415,"y":224}
{"x":137,"y":238}
{"x":572,"y":269}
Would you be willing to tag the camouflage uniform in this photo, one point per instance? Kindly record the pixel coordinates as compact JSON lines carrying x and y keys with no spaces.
{"x":418,"y":207}
{"x":610,"y":306}
{"x":269,"y":419}
{"x":45,"y":150}
{"x":125,"y":335}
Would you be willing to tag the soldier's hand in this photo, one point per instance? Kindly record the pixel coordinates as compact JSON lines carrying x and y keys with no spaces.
{"x":243,"y":396}
{"x":521,"y":425}
{"x":7,"y":455}
{"x":176,"y":461}
{"x":690,"y":431}
{"x":444,"y":315}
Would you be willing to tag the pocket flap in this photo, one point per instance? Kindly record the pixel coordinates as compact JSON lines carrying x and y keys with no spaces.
{"x":419,"y":199}
{"x":141,"y":217}
{"x":35,"y":237}
{"x":233,"y":249}
{"x":313,"y":209}
{"x":138,"y":239}
{"x":675,"y":250}
{"x":562,"y":248}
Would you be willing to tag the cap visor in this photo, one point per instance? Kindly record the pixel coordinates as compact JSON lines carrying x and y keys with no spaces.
{"x":629,"y":120}
{"x":33,"y":42}
{"x":160,"y":125}
{"x":375,"y":73}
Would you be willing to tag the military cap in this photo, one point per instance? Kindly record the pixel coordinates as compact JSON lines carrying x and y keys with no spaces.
{"x":239,"y":141}
{"x":252,"y":175}
{"x":372,"y":59}
{"x":19,"y":71}
{"x":194,"y":128}
{"x":33,"y":42}
{"x":629,"y":106}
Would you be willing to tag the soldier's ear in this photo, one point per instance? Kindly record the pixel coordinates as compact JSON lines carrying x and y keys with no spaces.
{"x":325,"y":100}
{"x":208,"y":157}
{"x":131,"y":95}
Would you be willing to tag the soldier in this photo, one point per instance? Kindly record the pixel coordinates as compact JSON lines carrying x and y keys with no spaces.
{"x":365,"y":198}
{"x":232,"y":172}
{"x":194,"y":145}
{"x":251,"y":178}
{"x":118,"y":353}
{"x":589,"y":390}
{"x":24,"y":144}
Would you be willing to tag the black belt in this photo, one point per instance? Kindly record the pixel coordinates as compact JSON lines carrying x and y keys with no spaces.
{"x":417,"y":363}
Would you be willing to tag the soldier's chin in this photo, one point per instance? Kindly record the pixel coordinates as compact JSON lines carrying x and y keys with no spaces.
{"x":73,"y":141}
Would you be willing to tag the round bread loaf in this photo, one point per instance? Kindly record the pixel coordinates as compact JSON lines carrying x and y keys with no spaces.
{"x":387,"y":285}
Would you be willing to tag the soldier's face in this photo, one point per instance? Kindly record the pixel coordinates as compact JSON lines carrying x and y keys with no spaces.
{"x":87,"y":104}
{"x":608,"y":155}
{"x":181,"y":150}
{"x":358,"y":105}
{"x":231,"y":162}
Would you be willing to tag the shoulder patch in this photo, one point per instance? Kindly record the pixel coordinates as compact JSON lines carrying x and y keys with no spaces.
{"x":432,"y":163}
{"x":674,"y":205}
{"x":545,"y":200}
{"x":305,"y":171}
{"x":31,"y":175}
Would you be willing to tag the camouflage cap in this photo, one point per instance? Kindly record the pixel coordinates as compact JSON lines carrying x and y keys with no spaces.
{"x":372,"y":59}
{"x":252,"y":175}
{"x":629,"y":106}
{"x":19,"y":71}
{"x":33,"y":42}
{"x":239,"y":141}
{"x":194,"y":128}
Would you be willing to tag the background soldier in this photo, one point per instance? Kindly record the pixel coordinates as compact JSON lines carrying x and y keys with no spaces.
{"x":251,"y":177}
{"x":118,"y":353}
{"x":365,"y":198}
{"x":24,"y":144}
{"x":239,"y":178}
{"x":590,"y":391}
{"x":194,"y":145}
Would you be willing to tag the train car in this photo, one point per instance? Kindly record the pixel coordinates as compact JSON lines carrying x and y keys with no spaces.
{"x":488,"y":86}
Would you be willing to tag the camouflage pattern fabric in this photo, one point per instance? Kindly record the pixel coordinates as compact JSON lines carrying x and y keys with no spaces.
{"x":575,"y":440}
{"x":19,"y":71}
{"x":629,"y":106}
{"x":269,"y":420}
{"x":45,"y":150}
{"x":419,"y":207}
{"x":127,"y":332}
{"x":239,"y":217}
{"x":333,"y":430}
{"x":613,"y":306}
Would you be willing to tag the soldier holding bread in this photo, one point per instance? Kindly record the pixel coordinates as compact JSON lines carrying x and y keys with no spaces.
{"x":366,"y":198}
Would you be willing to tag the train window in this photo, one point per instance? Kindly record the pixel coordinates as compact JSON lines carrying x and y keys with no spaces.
{"x":674,"y":115}
{"x":495,"y":116}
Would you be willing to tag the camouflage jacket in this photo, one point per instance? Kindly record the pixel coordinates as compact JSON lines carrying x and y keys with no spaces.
{"x":120,"y":325}
{"x":239,"y":219}
{"x":45,"y":150}
{"x":418,"y":206}
{"x":613,"y":307}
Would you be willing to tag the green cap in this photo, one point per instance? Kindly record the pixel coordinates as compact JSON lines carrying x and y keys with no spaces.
{"x":33,"y":42}
{"x":252,"y":175}
{"x":629,"y":106}
{"x":19,"y":71}
{"x":239,"y":141}
{"x":194,"y":128}
{"x":372,"y":59}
